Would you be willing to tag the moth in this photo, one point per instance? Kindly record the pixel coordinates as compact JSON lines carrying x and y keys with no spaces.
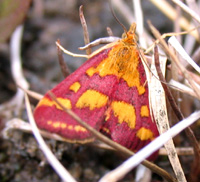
{"x":109,"y":92}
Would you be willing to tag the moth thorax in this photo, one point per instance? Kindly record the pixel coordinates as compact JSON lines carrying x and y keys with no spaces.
{"x":125,"y":58}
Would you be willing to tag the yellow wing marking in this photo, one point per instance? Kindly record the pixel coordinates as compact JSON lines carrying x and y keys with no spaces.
{"x":46,"y":102}
{"x":75,"y":86}
{"x":145,"y":134}
{"x":125,"y":113}
{"x":92,"y":99}
{"x":91,"y":71}
{"x":59,"y":124}
{"x":79,"y":128}
{"x":144,"y":112}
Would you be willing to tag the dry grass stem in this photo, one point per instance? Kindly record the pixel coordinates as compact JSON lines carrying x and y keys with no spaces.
{"x":58,"y":167}
{"x":182,"y":88}
{"x":17,"y":72}
{"x":31,"y":93}
{"x":63,"y":65}
{"x":179,"y":151}
{"x":70,"y":53}
{"x":140,"y":23}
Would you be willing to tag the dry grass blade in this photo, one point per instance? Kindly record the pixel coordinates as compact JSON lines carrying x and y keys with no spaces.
{"x":177,"y":46}
{"x":160,"y":114}
{"x":181,"y":87}
{"x":61,"y":171}
{"x":133,"y":161}
{"x":140,"y":23}
{"x":179,"y":151}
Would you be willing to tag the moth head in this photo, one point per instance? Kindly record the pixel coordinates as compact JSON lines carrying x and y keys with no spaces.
{"x":130,"y":36}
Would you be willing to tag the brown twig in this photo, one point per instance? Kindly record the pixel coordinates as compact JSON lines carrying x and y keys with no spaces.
{"x":85,"y":30}
{"x":63,"y":66}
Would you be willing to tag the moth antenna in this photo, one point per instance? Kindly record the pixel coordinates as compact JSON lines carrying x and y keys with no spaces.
{"x":113,"y":13}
